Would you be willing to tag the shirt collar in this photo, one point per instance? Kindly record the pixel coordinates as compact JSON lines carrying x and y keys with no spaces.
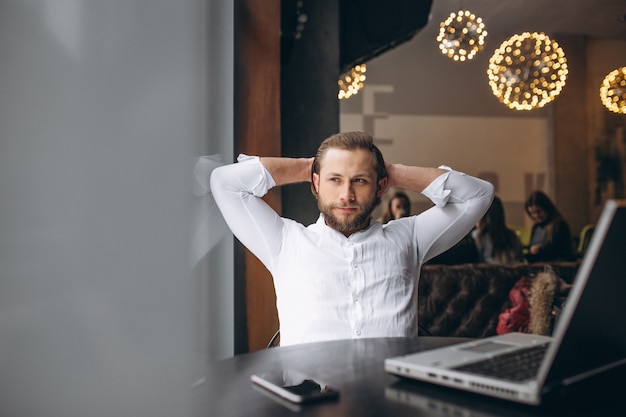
{"x":359,"y":236}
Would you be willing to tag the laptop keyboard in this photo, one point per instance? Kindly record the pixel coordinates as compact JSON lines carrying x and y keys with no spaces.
{"x":516,"y":366}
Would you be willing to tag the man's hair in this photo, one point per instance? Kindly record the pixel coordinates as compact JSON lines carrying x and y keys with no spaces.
{"x":349,"y":141}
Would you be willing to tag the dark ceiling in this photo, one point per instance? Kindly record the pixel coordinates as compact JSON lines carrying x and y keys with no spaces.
{"x":594,"y":18}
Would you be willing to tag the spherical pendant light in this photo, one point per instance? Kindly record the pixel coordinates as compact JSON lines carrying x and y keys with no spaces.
{"x":527,"y":71}
{"x":461,"y":36}
{"x":352,"y":82}
{"x":613,"y":91}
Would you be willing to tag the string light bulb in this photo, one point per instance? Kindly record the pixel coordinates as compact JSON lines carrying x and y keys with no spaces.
{"x":613,"y":91}
{"x":527,"y":71}
{"x":352,"y":82}
{"x":461,"y":36}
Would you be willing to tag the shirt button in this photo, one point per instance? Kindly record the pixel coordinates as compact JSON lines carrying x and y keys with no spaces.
{"x":355,"y":299}
{"x":358,"y":333}
{"x":354,"y":265}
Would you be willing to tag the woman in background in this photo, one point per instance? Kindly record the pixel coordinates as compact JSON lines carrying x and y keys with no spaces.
{"x":550,"y":237}
{"x":496,"y":243}
{"x":398,"y":206}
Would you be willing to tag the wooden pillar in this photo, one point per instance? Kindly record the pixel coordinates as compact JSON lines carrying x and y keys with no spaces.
{"x":257,"y":132}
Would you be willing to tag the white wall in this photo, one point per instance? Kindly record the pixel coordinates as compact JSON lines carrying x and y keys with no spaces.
{"x":511,"y":152}
{"x":103,"y":111}
{"x":474,"y":145}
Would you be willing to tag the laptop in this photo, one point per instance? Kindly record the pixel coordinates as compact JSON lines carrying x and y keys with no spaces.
{"x":431,"y":401}
{"x":587,"y":338}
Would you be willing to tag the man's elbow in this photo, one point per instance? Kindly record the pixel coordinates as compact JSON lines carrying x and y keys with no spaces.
{"x":490,"y":191}
{"x":214,"y":181}
{"x":489,"y":195}
{"x":219,"y":180}
{"x":484,"y":196}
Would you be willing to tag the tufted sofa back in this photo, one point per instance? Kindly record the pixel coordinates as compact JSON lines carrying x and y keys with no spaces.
{"x":465,"y":300}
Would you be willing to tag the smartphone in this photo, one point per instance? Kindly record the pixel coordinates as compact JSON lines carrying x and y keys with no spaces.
{"x":295,"y":386}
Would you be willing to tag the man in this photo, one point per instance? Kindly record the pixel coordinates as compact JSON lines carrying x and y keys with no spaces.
{"x":346,"y":276}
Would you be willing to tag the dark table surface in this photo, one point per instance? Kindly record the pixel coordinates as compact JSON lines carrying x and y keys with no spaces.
{"x":356,"y":368}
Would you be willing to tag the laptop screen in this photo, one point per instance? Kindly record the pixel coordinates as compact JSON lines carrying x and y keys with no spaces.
{"x":589,"y":335}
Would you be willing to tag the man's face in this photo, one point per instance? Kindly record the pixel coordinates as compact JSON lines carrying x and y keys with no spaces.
{"x":347,"y":189}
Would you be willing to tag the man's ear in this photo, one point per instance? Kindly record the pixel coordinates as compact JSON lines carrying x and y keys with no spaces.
{"x":315,"y":184}
{"x":382,"y":187}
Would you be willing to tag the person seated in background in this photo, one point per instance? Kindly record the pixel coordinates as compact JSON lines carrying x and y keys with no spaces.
{"x":346,"y":276}
{"x":496,"y":243}
{"x":550,"y":237}
{"x":463,"y":252}
{"x":398,"y":206}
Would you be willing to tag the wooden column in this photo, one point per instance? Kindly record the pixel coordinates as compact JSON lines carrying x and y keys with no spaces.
{"x":257,"y":132}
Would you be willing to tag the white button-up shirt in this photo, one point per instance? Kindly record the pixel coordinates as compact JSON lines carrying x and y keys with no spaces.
{"x":329,"y":286}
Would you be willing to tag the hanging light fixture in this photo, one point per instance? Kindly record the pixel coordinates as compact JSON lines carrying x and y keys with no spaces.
{"x":461,"y":36}
{"x":613,"y":91}
{"x":352,"y":82}
{"x":527,"y":71}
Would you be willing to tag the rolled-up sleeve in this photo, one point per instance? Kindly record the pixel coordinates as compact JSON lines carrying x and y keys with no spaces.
{"x":459,"y":202}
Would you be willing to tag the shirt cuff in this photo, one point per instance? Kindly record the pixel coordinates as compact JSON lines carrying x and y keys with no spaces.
{"x":264,"y":181}
{"x":436,"y":192}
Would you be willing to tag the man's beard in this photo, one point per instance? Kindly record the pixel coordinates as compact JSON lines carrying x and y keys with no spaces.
{"x":353,"y":223}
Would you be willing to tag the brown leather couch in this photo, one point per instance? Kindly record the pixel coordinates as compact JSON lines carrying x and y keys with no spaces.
{"x":466,"y":300}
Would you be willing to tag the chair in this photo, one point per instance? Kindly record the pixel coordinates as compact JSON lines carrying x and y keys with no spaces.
{"x":275,"y":340}
{"x":584,"y":239}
